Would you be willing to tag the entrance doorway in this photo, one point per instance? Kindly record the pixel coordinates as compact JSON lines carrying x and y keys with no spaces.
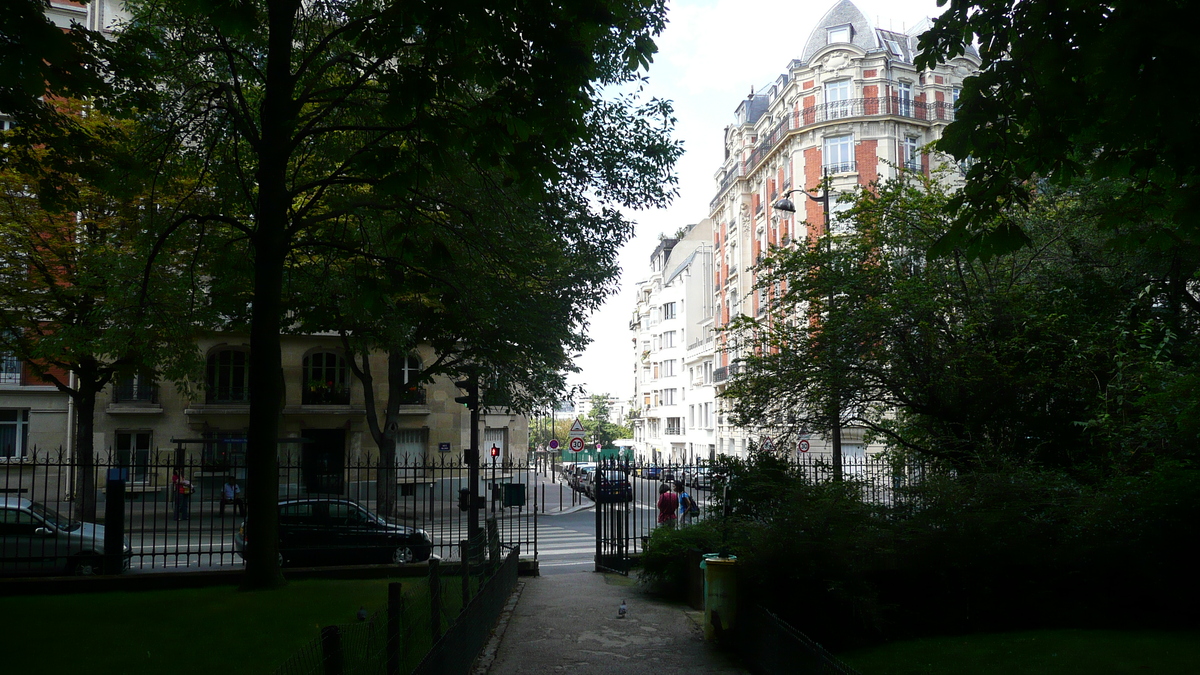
{"x":323,"y":461}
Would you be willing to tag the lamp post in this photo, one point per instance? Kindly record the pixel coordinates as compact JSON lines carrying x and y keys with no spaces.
{"x":786,"y":205}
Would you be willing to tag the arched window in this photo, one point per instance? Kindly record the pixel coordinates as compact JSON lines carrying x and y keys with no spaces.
{"x":228,"y":379}
{"x":326,"y":379}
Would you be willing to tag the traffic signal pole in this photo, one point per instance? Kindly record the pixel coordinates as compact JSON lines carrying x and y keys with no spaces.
{"x":471,"y":400}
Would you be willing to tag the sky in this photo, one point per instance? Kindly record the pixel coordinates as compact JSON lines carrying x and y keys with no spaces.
{"x":712,"y":54}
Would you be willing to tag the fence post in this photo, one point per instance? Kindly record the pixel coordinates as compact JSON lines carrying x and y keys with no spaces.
{"x":331,"y":650}
{"x":435,"y":599}
{"x":493,"y":535}
{"x":114,"y":522}
{"x":395,"y":611}
{"x":466,"y":572}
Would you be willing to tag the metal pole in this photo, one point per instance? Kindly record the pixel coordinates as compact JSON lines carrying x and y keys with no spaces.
{"x":473,"y":474}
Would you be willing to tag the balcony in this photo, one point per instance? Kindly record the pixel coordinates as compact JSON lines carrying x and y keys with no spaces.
{"x":325,"y":395}
{"x":725,"y":372}
{"x":134,"y":393}
{"x":840,"y":167}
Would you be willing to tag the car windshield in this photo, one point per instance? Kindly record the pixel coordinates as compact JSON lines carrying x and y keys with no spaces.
{"x":615,"y":476}
{"x":54,"y":518}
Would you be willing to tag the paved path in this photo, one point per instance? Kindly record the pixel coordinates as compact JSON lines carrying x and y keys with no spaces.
{"x":567,"y":623}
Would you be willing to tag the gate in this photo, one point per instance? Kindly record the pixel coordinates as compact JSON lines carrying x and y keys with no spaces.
{"x":612,"y":490}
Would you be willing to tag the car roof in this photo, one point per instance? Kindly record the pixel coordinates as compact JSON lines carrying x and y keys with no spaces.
{"x":15,"y":502}
{"x":317,"y":498}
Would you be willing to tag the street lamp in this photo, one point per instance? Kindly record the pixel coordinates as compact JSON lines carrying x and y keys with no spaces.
{"x":786,"y":205}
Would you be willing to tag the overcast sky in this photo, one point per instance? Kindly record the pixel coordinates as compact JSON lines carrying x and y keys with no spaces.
{"x":711,"y":55}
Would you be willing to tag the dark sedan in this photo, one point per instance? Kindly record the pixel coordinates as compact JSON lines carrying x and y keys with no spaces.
{"x":610,"y":486}
{"x":326,"y":531}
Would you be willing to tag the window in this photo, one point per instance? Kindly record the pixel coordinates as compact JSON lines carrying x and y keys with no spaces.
{"x":133,"y":452}
{"x":837,"y":99}
{"x":668,"y":397}
{"x":10,"y":369}
{"x":894,"y":47}
{"x":838,"y":34}
{"x":668,"y":368}
{"x":839,"y":154}
{"x":912,"y":154}
{"x":669,"y":311}
{"x":674,"y":427}
{"x":14,"y":433}
{"x":954,"y":94}
{"x":326,"y":380}
{"x":905,"y":99}
{"x":138,"y":387}
{"x":228,"y":378}
{"x":668,"y":339}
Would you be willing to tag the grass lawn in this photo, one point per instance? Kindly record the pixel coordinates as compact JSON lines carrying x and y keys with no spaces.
{"x":198,"y":631}
{"x":1046,"y":652}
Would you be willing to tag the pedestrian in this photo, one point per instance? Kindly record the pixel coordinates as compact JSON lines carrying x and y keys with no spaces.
{"x":668,"y":505}
{"x":182,"y":488}
{"x":685,"y":504}
{"x":231,"y":493}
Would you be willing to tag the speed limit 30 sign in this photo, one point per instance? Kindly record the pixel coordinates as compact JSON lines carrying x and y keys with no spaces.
{"x":576,"y":444}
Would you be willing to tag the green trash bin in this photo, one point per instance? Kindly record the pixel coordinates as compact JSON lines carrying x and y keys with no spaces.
{"x":720,"y":594}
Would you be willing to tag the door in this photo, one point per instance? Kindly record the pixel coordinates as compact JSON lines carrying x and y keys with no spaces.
{"x":613,"y":527}
{"x":23,"y":549}
{"x":323,"y":460}
{"x":299,"y":532}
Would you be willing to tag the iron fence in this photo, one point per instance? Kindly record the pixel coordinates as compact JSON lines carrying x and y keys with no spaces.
{"x":771,"y":645}
{"x":168,"y":530}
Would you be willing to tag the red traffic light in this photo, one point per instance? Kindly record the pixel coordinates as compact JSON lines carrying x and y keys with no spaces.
{"x":495,"y":451}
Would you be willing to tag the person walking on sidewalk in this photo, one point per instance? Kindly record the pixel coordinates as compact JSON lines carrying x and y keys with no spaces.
{"x":182,"y":488}
{"x":685,"y":504}
{"x":668,"y":505}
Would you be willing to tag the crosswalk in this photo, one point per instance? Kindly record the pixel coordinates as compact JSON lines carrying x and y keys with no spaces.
{"x":553,"y":542}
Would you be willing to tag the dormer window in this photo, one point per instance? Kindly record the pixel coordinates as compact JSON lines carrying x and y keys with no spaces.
{"x":838,"y":34}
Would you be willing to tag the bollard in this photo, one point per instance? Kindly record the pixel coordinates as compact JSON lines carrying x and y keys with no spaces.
{"x":493,"y":535}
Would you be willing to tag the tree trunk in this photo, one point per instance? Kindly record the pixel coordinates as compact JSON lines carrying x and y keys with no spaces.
{"x":385,"y":481}
{"x":276,"y":122}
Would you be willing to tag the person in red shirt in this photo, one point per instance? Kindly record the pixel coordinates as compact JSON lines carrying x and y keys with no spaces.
{"x":182,"y":488}
{"x":668,"y":505}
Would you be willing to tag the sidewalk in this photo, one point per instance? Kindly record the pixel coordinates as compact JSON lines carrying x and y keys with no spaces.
{"x":567,"y":623}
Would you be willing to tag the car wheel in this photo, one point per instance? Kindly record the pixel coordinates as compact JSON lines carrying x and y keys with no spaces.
{"x":85,"y":565}
{"x":403,"y":555}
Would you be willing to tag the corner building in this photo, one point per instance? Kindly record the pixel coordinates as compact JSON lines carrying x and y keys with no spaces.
{"x":854,"y":108}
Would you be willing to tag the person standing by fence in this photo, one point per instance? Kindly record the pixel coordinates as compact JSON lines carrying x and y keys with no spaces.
{"x":668,"y":505}
{"x":182,"y":489}
{"x":685,"y":504}
{"x":231,"y":493}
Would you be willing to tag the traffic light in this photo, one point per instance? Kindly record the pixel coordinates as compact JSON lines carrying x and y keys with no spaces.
{"x":471,"y":400}
{"x":495,"y":451}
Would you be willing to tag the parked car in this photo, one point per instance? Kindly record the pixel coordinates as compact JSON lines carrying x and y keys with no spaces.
{"x":700,"y":477}
{"x":650,"y":472}
{"x":609,"y":486}
{"x":334,"y":531}
{"x":579,"y":475}
{"x":36,"y":539}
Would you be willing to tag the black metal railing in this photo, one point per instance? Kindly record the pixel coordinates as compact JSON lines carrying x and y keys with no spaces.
{"x":167,"y":532}
{"x":325,"y":396}
{"x":771,"y":645}
{"x":135,"y":392}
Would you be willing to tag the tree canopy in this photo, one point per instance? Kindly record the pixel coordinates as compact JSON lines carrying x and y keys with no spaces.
{"x":1068,"y":90}
{"x":1066,"y":353}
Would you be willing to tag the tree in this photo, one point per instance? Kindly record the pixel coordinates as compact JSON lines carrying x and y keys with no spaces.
{"x":313,"y":113}
{"x":79,"y":303}
{"x":599,"y":425}
{"x":1067,"y":90}
{"x":1059,"y":353}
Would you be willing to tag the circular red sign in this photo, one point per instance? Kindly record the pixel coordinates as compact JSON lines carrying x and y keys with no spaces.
{"x":803,"y":446}
{"x":576,"y":445}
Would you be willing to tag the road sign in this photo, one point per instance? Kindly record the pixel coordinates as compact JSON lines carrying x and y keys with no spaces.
{"x":577,"y":430}
{"x":598,"y":446}
{"x":576,"y":444}
{"x":553,"y":443}
{"x":443,"y":447}
{"x":802,"y":446}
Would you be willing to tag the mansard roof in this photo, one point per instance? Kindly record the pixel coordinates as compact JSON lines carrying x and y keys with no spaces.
{"x":862,"y":34}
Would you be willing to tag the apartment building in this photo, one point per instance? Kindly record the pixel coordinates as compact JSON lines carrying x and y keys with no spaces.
{"x":673,"y":349}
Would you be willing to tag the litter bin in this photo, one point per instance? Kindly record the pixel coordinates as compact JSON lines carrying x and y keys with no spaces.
{"x":720,"y":594}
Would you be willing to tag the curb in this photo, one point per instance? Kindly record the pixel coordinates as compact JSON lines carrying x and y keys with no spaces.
{"x":573,"y":509}
{"x":488,"y":656}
